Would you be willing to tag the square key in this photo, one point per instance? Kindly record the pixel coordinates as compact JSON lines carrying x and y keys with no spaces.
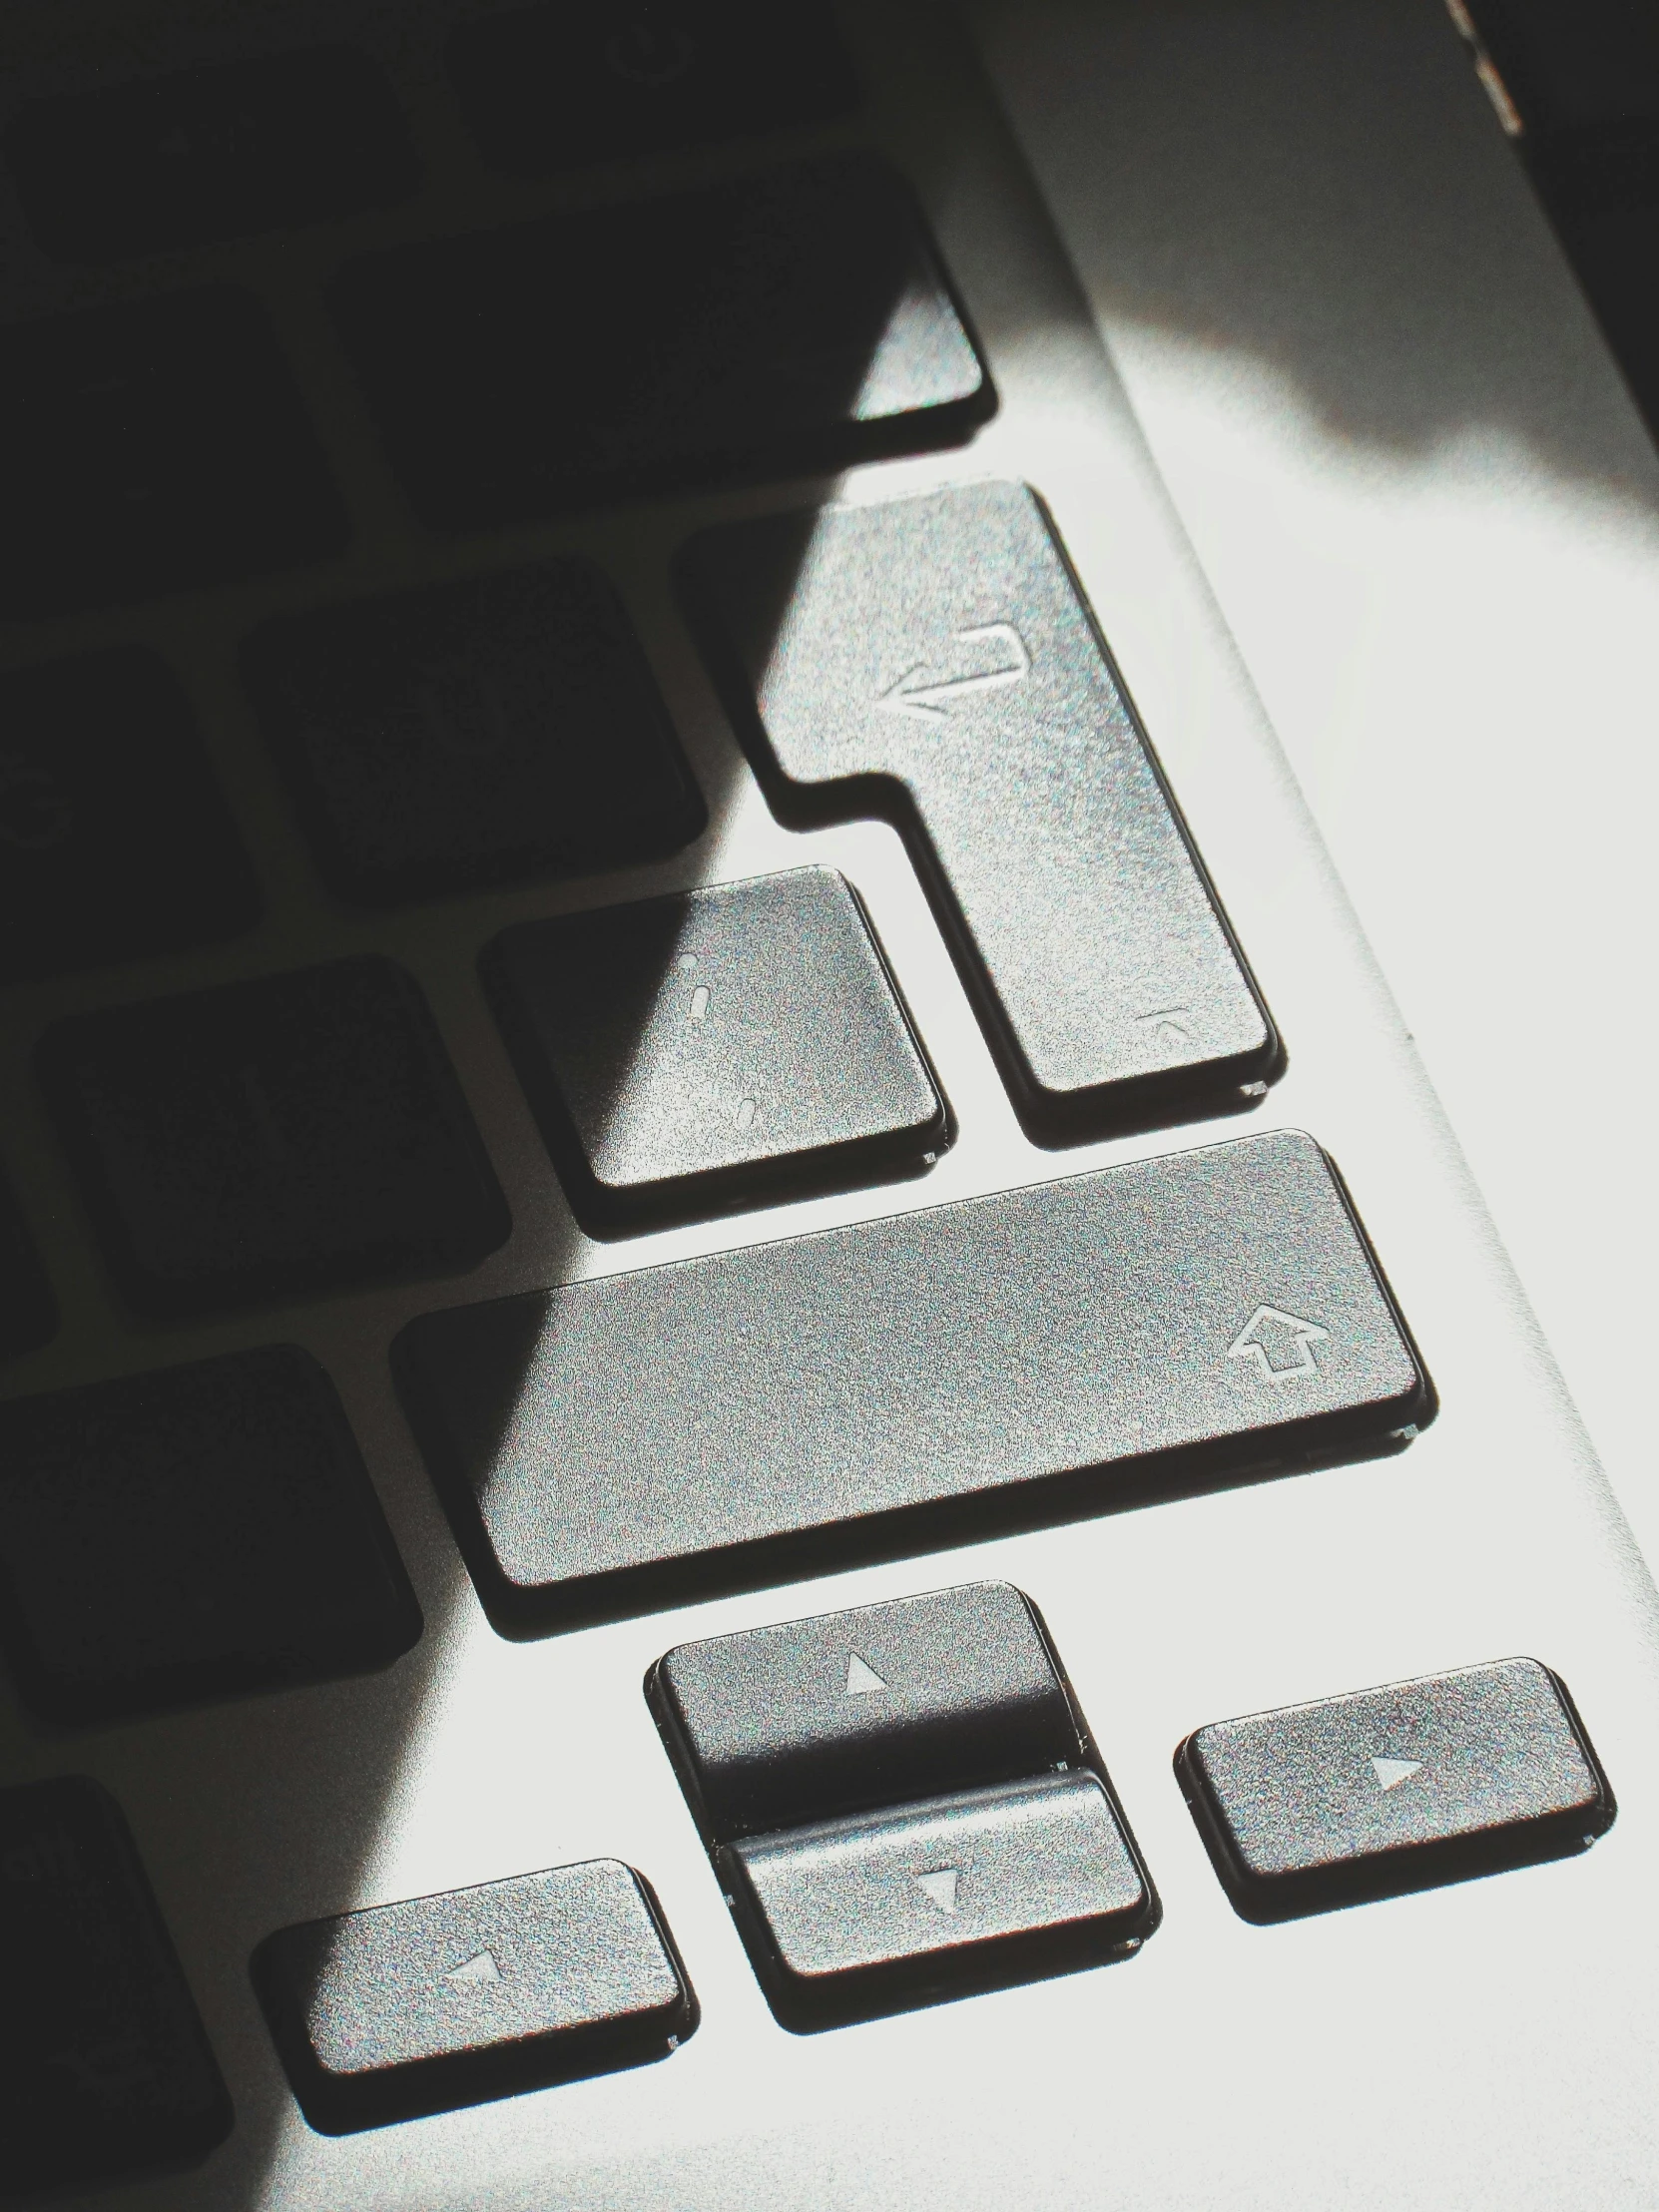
{"x":115,"y":843}
{"x":473,"y":733}
{"x":197,"y":155}
{"x":552,"y":89}
{"x":104,"y":2072}
{"x":685,"y":1054}
{"x":445,"y":2000}
{"x":302,"y":1133}
{"x":792,"y":320}
{"x":151,"y":447}
{"x":198,"y":1534}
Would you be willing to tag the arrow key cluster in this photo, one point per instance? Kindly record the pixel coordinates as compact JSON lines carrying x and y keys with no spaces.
{"x":902,"y":1803}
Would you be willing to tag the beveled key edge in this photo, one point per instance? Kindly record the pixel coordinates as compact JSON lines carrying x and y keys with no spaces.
{"x":1375,"y":1876}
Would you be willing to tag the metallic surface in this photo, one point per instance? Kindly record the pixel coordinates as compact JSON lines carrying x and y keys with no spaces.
{"x":1440,"y":2054}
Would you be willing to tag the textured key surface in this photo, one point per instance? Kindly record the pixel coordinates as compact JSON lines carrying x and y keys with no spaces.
{"x":113,"y":840}
{"x":1220,"y":1306}
{"x":474,"y":1993}
{"x":301,"y":1133}
{"x":796,"y":318}
{"x":939,"y":644}
{"x":550,"y":89}
{"x":471,"y":732}
{"x":203,"y":155}
{"x":1394,"y":1788}
{"x":153,"y":446}
{"x":28,"y":1311}
{"x":104,"y":2070}
{"x":189,"y":1534}
{"x":691,"y":1052}
{"x":933,"y":1898}
{"x":814,"y":1718}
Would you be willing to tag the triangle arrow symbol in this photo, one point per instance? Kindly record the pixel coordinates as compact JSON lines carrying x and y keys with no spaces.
{"x":481,"y":1968}
{"x":861,"y":1681}
{"x":1391,"y":1773}
{"x":939,"y":1889}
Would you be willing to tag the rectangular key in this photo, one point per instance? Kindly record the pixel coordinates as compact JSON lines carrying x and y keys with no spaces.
{"x":815,"y":1717}
{"x":929,"y":1900}
{"x":105,"y":2071}
{"x":933,"y":656}
{"x":452,"y":1999}
{"x":1394,"y":1789}
{"x":1170,"y":1320}
{"x":794,"y":319}
{"x":198,"y":156}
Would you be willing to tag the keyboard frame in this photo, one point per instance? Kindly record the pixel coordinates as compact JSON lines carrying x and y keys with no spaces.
{"x":1490,"y":2044}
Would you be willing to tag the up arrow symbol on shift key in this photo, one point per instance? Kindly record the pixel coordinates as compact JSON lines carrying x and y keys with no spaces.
{"x":861,"y":1681}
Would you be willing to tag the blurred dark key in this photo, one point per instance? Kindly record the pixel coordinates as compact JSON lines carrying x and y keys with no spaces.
{"x":931,"y":1900}
{"x":447,"y":2000}
{"x":471,"y":732}
{"x":114,"y":840}
{"x":204,"y":154}
{"x":933,"y":656}
{"x":153,"y":446}
{"x":1151,"y":1325}
{"x":104,"y":2072}
{"x":197,"y":1533}
{"x":555,"y":88}
{"x":302,"y":1133}
{"x":28,"y":1311}
{"x":691,"y":1053}
{"x":794,"y":319}
{"x":1390,"y":1790}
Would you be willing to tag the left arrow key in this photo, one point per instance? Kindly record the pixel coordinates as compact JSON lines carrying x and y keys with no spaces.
{"x":452,"y":1999}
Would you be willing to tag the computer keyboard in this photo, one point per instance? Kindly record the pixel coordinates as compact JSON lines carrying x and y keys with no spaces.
{"x":639,"y":912}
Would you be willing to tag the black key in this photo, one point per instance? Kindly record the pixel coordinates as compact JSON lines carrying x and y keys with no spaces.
{"x":151,"y":447}
{"x":776,"y":322}
{"x":1169,"y":1321}
{"x":932,"y":1899}
{"x":551,"y":89}
{"x":209,"y":154}
{"x":690,"y":1053}
{"x":104,"y":2072}
{"x":28,"y":1311}
{"x":1394,"y":1789}
{"x":195,"y":1534}
{"x":447,"y":2000}
{"x":301,"y":1133}
{"x":821,"y":1717}
{"x":935,"y":653}
{"x":471,"y":732}
{"x":114,"y":840}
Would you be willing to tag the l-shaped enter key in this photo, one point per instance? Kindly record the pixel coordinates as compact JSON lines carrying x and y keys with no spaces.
{"x":937,"y":651}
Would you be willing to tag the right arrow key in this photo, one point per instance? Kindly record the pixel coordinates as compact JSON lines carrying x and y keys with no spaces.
{"x":1394,"y":1788}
